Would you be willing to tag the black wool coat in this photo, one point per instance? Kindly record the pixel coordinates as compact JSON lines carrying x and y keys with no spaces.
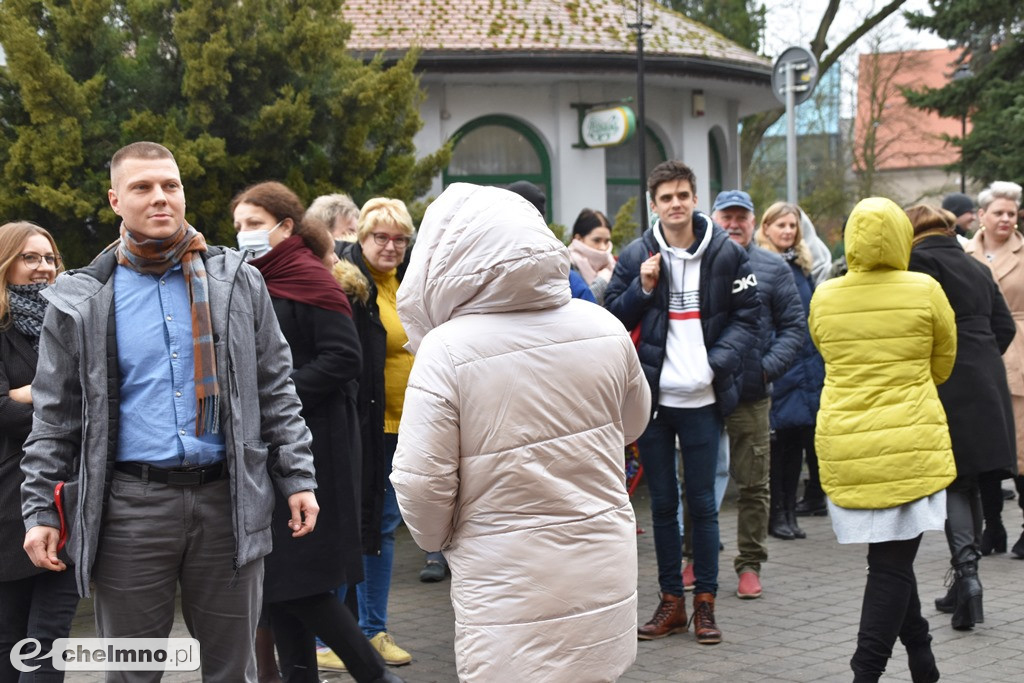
{"x":373,"y":340}
{"x":326,"y":358}
{"x":976,"y":397}
{"x":17,"y":368}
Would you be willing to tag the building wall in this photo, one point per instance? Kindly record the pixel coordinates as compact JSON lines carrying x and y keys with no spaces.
{"x":923,"y":184}
{"x":578,"y":175}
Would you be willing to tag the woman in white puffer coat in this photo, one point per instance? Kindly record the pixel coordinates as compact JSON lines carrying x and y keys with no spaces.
{"x":510,"y":447}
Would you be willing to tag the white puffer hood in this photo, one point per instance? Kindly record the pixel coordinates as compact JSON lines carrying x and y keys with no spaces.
{"x":480,"y":250}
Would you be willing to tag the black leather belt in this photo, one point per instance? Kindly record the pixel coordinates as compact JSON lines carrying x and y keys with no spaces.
{"x":176,"y":476}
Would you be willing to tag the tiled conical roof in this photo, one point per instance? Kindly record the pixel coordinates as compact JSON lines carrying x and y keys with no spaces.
{"x":544,"y":28}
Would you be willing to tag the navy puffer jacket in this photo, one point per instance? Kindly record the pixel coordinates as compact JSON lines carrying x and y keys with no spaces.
{"x":783,"y":325}
{"x":796,"y":395}
{"x":728,"y":308}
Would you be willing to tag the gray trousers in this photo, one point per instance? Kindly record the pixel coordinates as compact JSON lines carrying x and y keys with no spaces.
{"x":156,"y":536}
{"x":749,"y":465}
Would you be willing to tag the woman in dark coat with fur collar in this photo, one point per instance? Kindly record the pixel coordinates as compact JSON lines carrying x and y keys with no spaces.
{"x":976,"y":396}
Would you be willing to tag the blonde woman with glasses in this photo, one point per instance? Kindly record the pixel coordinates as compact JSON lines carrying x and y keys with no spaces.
{"x":370,"y":271}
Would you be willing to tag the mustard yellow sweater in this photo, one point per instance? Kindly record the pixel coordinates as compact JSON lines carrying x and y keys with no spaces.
{"x":397,"y":361}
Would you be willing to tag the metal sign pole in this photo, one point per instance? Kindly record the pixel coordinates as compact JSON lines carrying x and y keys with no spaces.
{"x":793,"y":63}
{"x":791,"y":189}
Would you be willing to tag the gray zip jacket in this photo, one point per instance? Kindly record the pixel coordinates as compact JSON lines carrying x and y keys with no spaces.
{"x":76,"y":413}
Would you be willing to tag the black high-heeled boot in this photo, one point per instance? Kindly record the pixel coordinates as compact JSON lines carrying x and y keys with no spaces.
{"x":947,"y":603}
{"x":993,"y":539}
{"x":968,"y":610}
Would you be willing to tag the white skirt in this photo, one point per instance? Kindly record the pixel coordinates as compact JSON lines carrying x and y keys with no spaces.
{"x":889,"y":524}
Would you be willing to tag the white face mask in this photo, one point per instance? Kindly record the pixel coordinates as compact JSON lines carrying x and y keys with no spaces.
{"x":255,"y":243}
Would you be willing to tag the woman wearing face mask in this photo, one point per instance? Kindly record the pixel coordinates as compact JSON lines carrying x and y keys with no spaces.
{"x":590,"y":251}
{"x":316,"y":320}
{"x":34,"y":603}
{"x":796,"y":394}
{"x":1000,"y":246}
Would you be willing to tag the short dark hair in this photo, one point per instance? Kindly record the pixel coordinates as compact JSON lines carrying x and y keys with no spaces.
{"x":138,"y":150}
{"x":668,"y":171}
{"x":588,"y":220}
{"x":281,"y":202}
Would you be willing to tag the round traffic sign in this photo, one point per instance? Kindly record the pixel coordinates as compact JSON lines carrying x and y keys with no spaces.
{"x":805,"y":74}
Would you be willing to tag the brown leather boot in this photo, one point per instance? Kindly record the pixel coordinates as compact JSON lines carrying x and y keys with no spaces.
{"x":669,"y":618}
{"x":704,"y":626}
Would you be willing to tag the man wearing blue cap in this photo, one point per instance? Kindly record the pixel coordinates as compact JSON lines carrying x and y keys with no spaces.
{"x":781,"y":334}
{"x":690,"y":298}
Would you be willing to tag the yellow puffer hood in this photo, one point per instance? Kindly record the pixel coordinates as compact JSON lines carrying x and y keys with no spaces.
{"x":480,"y":250}
{"x":887,"y":337}
{"x":878,"y":235}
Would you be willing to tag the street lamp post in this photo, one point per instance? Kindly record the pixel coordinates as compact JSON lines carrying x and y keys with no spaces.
{"x":963,"y":71}
{"x":641,"y":126}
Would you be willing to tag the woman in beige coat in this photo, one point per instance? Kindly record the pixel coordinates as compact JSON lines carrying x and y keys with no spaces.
{"x":999,"y":245}
{"x":510,"y":447}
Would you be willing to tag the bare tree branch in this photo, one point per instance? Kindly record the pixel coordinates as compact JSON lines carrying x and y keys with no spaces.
{"x":858,"y":33}
{"x":755,"y":126}
{"x":818,"y":45}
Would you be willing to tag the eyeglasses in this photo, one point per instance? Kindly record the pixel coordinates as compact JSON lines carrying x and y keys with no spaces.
{"x":33,"y":260}
{"x":381,"y":239}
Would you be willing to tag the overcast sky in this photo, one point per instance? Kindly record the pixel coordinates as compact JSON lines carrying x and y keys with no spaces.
{"x":794,"y":22}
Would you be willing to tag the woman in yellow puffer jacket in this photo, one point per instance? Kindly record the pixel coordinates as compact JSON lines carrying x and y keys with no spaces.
{"x":887,"y":336}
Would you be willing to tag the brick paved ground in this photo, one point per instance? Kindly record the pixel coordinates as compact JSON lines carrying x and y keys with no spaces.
{"x":802,"y":629}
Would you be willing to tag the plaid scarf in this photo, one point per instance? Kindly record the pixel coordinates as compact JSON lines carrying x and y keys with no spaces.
{"x":27,"y":309}
{"x":156,"y":257}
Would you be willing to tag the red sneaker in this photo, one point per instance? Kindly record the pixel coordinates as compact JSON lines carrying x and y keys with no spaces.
{"x":750,"y":586}
{"x":688,"y":579}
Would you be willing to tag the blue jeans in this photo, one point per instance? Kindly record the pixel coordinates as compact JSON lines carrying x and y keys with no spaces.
{"x":376,"y":585}
{"x":699,"y":431}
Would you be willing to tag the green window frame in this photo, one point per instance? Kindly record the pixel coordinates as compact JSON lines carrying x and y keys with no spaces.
{"x":541,"y":179}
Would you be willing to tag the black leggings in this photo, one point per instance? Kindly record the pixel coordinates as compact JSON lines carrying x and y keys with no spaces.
{"x":297,"y":623}
{"x":891,"y":608}
{"x":992,"y":497}
{"x":787,"y":459}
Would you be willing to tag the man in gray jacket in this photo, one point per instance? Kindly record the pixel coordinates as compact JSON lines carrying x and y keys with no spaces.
{"x":162,"y":397}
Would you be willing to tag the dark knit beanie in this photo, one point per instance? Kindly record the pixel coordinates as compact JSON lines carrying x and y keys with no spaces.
{"x":529,"y":192}
{"x":958,"y":204}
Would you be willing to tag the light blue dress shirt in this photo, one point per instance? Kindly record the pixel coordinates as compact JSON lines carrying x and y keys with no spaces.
{"x":157,"y":423}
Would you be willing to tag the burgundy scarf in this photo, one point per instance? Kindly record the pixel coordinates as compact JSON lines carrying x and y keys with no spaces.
{"x":292,"y":271}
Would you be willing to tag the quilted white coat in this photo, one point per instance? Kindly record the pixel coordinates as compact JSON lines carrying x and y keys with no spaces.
{"x":510,"y":450}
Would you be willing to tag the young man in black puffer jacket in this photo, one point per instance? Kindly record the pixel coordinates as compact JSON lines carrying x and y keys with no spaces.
{"x":689,"y":293}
